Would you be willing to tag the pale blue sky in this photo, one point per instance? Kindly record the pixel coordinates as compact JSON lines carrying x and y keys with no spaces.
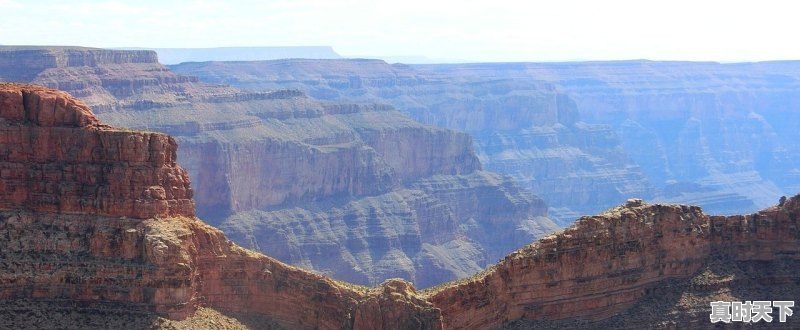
{"x":478,"y":30}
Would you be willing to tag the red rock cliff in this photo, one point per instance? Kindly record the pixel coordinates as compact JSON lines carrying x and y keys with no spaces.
{"x":91,"y":215}
{"x":56,"y":157}
{"x":605,"y":264}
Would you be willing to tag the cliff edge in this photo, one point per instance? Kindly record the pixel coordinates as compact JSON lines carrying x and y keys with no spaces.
{"x":634,"y":266}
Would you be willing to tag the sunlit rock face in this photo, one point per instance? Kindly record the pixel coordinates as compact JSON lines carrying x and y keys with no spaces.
{"x":57,"y":157}
{"x":263,"y":163}
{"x":637,"y":265}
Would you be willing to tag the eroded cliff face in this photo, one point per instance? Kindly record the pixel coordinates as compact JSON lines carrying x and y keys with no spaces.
{"x":297,"y":173}
{"x":703,"y":133}
{"x":710,"y":134}
{"x":413,"y":233}
{"x":56,"y":157}
{"x":265,"y":161}
{"x":173,"y":266}
{"x":26,"y":62}
{"x":102,"y":78}
{"x":636,"y":265}
{"x":142,"y":252}
{"x":521,"y":126}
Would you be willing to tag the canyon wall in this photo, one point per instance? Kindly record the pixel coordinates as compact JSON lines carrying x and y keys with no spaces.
{"x":146,"y":259}
{"x":441,"y":228}
{"x":524,"y":128}
{"x":704,"y":133}
{"x":263,"y":161}
{"x":636,"y":265}
{"x":710,"y":134}
{"x":58,"y":158}
{"x":283,"y":176}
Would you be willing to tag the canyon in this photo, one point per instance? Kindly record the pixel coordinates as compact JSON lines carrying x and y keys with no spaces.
{"x":113,"y":234}
{"x":705,"y":133}
{"x":357,"y":191}
{"x":584,"y":135}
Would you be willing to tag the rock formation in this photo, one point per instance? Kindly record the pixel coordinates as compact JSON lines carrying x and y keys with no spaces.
{"x":111,"y":222}
{"x":521,"y":126}
{"x":265,"y":162}
{"x":636,"y":265}
{"x":703,"y":133}
{"x":699,"y":133}
{"x":56,"y":157}
{"x":413,"y":233}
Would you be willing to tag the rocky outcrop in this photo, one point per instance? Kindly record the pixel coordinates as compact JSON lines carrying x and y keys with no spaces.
{"x":603,"y":265}
{"x":399,"y":307}
{"x":56,"y":157}
{"x":173,"y":266}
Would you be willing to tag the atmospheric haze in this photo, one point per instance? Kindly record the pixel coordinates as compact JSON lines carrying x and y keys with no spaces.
{"x":467,"y":30}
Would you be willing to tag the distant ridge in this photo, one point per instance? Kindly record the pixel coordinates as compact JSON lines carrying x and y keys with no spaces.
{"x":181,"y":55}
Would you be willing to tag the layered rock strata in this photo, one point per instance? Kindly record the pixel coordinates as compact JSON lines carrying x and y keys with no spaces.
{"x":521,"y":126}
{"x":605,"y":270}
{"x":594,"y":272}
{"x":255,"y":153}
{"x":413,"y":233}
{"x":711,"y":134}
{"x":703,"y":133}
{"x":148,"y":257}
{"x":57,"y":157}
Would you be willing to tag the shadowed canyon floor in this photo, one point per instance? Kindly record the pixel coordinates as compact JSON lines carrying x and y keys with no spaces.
{"x":159,"y":266}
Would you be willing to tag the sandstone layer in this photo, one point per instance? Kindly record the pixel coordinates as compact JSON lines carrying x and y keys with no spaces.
{"x":634,"y":266}
{"x":263,"y":162}
{"x":57,"y":157}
